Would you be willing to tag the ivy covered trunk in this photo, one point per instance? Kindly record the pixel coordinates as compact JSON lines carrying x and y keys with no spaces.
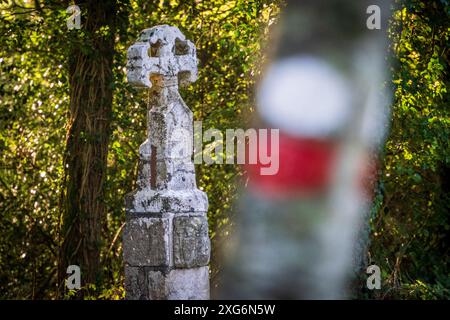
{"x":88,"y":131}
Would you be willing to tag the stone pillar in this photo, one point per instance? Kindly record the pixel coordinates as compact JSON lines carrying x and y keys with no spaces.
{"x":166,"y":246}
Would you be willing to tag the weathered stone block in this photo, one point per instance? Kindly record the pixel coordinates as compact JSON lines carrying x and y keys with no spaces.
{"x":146,"y":241}
{"x":156,"y":285}
{"x":135,"y":283}
{"x":191,"y":245}
{"x":143,"y":283}
{"x":179,"y":284}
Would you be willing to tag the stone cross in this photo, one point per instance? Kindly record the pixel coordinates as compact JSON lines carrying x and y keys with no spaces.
{"x":166,"y":246}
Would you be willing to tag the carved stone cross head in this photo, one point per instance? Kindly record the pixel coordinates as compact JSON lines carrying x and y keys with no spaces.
{"x":162,"y":55}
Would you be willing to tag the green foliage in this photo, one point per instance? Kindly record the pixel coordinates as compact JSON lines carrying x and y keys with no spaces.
{"x":411,"y":228}
{"x":33,"y":95}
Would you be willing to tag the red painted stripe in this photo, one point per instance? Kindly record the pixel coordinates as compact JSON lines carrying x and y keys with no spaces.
{"x":305,"y":167}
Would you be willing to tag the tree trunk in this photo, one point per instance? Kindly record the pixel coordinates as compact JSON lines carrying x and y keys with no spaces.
{"x":85,"y":161}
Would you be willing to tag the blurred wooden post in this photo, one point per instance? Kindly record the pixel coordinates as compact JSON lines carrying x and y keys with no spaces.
{"x":298,"y":230}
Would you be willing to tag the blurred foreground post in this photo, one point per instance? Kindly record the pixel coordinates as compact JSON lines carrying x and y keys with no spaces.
{"x":298,"y":230}
{"x":165,"y":242}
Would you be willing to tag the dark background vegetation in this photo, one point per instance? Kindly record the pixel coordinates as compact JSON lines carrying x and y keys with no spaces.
{"x":70,"y":128}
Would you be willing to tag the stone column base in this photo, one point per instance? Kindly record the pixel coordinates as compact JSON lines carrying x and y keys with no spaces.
{"x":147,"y":283}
